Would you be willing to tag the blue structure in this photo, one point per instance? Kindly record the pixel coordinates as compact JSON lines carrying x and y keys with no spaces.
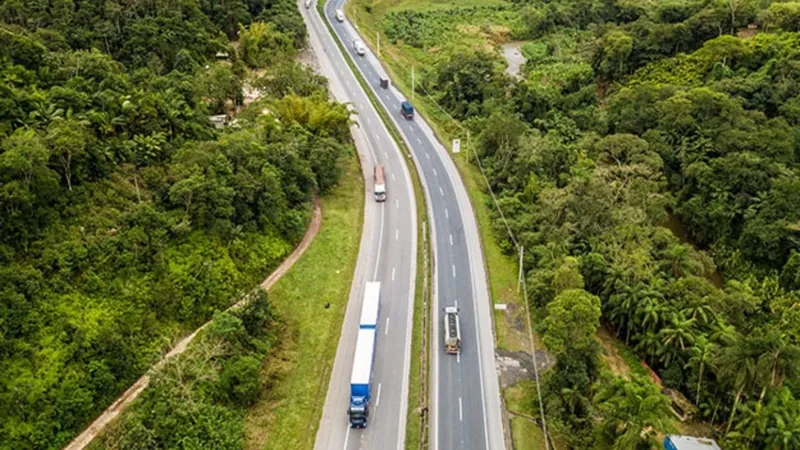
{"x":675,"y":442}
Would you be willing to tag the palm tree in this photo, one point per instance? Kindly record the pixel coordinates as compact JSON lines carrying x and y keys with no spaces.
{"x":574,"y":399}
{"x":784,"y":430}
{"x":623,"y":307}
{"x":699,"y":310}
{"x":784,"y":435}
{"x":754,"y":421}
{"x":632,"y":412}
{"x":700,"y":354}
{"x":677,"y":336}
{"x":780,"y":358}
{"x":650,"y":313}
{"x":739,"y":363}
{"x":650,"y":344}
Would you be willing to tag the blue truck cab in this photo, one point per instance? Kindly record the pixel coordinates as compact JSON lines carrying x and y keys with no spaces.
{"x":407,"y":110}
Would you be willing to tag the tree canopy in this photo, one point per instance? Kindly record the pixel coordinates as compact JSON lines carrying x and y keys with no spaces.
{"x":126,"y":218}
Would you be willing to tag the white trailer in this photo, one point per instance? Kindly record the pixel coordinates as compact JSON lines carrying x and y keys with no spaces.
{"x":371,"y":306}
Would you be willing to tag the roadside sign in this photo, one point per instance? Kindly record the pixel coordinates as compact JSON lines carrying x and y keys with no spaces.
{"x":456,"y":145}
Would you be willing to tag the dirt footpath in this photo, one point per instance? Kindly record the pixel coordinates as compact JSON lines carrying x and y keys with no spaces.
{"x":83,"y":439}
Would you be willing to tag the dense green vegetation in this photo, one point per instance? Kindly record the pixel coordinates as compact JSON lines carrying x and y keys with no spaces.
{"x":126,"y":218}
{"x":630,"y":117}
{"x":197,"y":400}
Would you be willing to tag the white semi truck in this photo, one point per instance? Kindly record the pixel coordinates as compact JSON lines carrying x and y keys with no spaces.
{"x":452,"y":330}
{"x":380,"y":184}
{"x":361,"y":376}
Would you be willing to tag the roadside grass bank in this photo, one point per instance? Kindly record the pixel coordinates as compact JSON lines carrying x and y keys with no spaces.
{"x":510,"y":329}
{"x":298,"y":371}
{"x":416,"y":424}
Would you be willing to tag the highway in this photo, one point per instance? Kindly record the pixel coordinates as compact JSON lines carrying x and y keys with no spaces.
{"x":465,"y":404}
{"x":387,"y":254}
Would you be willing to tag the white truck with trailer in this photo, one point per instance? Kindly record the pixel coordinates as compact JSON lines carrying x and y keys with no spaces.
{"x":452,"y":330}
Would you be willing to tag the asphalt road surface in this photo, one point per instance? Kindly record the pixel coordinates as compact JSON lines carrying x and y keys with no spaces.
{"x":387,"y":254}
{"x":465,"y":403}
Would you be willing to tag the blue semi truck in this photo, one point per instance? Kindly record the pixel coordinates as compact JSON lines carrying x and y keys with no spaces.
{"x":361,"y":377}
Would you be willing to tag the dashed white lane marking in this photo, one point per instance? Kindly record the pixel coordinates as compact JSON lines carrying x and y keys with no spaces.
{"x":451,"y":239}
{"x":441,"y":191}
{"x":446,"y":214}
{"x":392,"y":177}
{"x":397,"y":203}
{"x":378,"y":397}
{"x":393,"y":271}
{"x":427,"y":155}
{"x":460,"y":406}
{"x":386,"y":331}
{"x":420,"y":142}
{"x":396,"y":235}
{"x":454,"y":270}
{"x":385,"y":155}
{"x":458,"y":357}
{"x":369,"y":121}
{"x":434,"y":173}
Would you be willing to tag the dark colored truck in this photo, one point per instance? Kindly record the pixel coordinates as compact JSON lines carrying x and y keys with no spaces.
{"x":407,"y":110}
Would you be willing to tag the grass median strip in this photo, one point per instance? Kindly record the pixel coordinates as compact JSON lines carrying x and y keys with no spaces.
{"x":502,"y":269}
{"x":297,"y":374}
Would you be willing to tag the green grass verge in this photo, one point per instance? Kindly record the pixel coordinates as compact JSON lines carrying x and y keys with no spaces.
{"x":298,"y":371}
{"x":527,"y":434}
{"x":416,"y":435}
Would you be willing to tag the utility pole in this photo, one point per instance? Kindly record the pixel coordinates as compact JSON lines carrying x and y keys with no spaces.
{"x":412,"y":83}
{"x":521,"y":271}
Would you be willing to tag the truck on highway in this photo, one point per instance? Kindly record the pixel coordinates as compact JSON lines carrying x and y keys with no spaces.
{"x":371,"y":306}
{"x":380,"y":184}
{"x":361,"y":376}
{"x":407,"y":110}
{"x":452,"y":330}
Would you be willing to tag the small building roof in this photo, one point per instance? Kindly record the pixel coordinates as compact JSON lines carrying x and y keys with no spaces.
{"x":676,"y":442}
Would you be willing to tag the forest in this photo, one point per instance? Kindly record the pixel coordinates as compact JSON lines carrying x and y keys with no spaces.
{"x":127,"y":219}
{"x":647,"y":160}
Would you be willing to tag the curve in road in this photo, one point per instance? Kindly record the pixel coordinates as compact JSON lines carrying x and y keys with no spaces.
{"x":387,"y":254}
{"x":465,"y":394}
